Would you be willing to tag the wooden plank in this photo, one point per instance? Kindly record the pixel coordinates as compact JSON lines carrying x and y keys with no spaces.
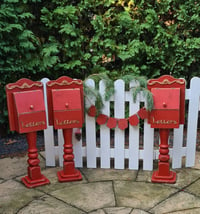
{"x":134,"y":135}
{"x":104,"y":132}
{"x":77,"y":148}
{"x":60,"y":146}
{"x":90,"y":124}
{"x":177,"y":145}
{"x":148,"y":147}
{"x":119,"y":112}
{"x":48,"y":133}
{"x":192,"y":121}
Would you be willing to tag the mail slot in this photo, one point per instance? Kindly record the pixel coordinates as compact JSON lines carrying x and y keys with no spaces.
{"x":65,"y":103}
{"x":67,"y":108}
{"x":26,"y":106}
{"x":169,"y":102}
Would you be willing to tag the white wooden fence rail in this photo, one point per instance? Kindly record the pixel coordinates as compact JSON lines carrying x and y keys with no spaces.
{"x":119,"y":151}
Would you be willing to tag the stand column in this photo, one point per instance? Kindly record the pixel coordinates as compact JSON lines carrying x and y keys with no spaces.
{"x":69,"y":173}
{"x":34,"y":178}
{"x":163,"y":174}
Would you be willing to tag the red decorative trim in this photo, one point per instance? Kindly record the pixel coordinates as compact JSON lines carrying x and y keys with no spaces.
{"x":122,"y":123}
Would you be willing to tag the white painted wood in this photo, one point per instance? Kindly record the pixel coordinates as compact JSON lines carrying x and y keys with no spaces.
{"x":48,"y":133}
{"x":90,"y":133}
{"x":77,"y":148}
{"x":119,"y":112}
{"x":192,"y":121}
{"x":104,"y":132}
{"x":148,"y":146}
{"x":177,"y":145}
{"x":60,"y":146}
{"x":134,"y":134}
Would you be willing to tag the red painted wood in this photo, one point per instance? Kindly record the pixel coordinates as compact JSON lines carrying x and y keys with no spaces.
{"x":30,"y":111}
{"x":67,"y":108}
{"x":34,"y":177}
{"x":62,"y":83}
{"x":26,"y":105}
{"x":69,"y":173}
{"x":169,"y":82}
{"x":163,"y":174}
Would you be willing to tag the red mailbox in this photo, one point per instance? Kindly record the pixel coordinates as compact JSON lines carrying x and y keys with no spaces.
{"x":67,"y":108}
{"x":66,"y":111}
{"x":30,"y":111}
{"x":168,"y":112}
{"x":26,"y":111}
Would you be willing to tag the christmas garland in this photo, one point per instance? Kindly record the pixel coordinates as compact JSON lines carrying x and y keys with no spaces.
{"x":112,"y":122}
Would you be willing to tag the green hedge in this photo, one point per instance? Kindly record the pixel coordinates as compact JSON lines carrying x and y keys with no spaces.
{"x":40,"y":38}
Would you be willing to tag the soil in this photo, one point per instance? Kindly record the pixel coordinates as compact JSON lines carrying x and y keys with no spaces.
{"x":16,"y":145}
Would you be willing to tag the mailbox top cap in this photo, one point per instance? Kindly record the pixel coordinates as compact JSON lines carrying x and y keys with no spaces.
{"x":24,"y":84}
{"x":165,"y":81}
{"x":64,"y":81}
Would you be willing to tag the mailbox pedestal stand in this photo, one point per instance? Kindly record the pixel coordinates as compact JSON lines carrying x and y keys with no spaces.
{"x":34,"y":178}
{"x":164,"y":175}
{"x":69,"y":173}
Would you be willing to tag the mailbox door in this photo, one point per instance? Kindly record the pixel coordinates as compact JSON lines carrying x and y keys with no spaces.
{"x":67,"y":108}
{"x":166,"y":112}
{"x":30,"y":111}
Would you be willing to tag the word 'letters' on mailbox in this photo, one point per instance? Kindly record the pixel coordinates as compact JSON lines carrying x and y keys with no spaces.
{"x":65,"y":103}
{"x":26,"y":106}
{"x":169,"y":107}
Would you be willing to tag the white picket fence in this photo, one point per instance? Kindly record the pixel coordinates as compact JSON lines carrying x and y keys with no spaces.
{"x":140,"y":145}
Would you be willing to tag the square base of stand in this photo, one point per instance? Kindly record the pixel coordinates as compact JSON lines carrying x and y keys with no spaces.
{"x":67,"y":178}
{"x":28,"y":182}
{"x":171,"y":179}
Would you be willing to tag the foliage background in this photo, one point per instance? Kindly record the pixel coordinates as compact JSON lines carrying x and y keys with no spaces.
{"x":40,"y":38}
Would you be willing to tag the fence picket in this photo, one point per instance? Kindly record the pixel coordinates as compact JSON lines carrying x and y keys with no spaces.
{"x":60,"y":146}
{"x":104,"y":132}
{"x":90,"y":123}
{"x":48,"y":133}
{"x":134,"y":134}
{"x":192,"y":121}
{"x":177,"y":145}
{"x":119,"y":112}
{"x":77,"y":148}
{"x":148,"y":147}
